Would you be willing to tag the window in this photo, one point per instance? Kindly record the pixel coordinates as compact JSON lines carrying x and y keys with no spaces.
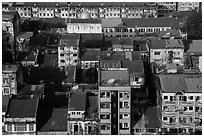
{"x":165,"y":118}
{"x":107,"y":94}
{"x":190,"y":108}
{"x":165,"y":97}
{"x":190,"y":97}
{"x":44,"y":14}
{"x":61,"y":54}
{"x":20,"y":127}
{"x":105,"y":105}
{"x":171,"y":98}
{"x":6,"y":90}
{"x":121,"y":95}
{"x":125,"y":125}
{"x":74,"y":54}
{"x":157,"y":53}
{"x":31,"y":127}
{"x":104,"y":116}
{"x":9,"y":128}
{"x":62,"y":61}
{"x":135,"y":78}
{"x":126,"y":104}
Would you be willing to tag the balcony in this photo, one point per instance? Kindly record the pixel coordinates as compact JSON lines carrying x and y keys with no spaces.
{"x":105,"y":110}
{"x":106,"y":132}
{"x":168,"y":102}
{"x":103,"y":99}
{"x":125,"y":110}
{"x":187,"y":113}
{"x":187,"y":103}
{"x":105,"y":121}
{"x":169,"y":125}
{"x":199,"y":103}
{"x":169,"y":113}
{"x":198,"y":114}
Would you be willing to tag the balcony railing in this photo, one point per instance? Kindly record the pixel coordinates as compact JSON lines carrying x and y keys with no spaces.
{"x":169,"y":102}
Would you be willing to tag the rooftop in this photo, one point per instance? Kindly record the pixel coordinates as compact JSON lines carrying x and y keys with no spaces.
{"x":195,"y":47}
{"x":70,"y":72}
{"x":5,"y":102}
{"x":118,"y":77}
{"x":151,"y":22}
{"x":7,"y":15}
{"x":166,"y":43}
{"x":134,"y":66}
{"x":32,"y":56}
{"x":186,"y":83}
{"x":111,"y":23}
{"x":57,"y":121}
{"x":10,"y":68}
{"x":24,"y":35}
{"x":32,"y":89}
{"x":92,"y":21}
{"x":77,"y":101}
{"x":22,"y":108}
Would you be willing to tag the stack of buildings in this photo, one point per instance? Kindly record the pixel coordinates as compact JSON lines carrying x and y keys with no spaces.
{"x":124,"y":70}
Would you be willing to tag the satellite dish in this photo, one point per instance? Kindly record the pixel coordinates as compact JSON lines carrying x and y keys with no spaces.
{"x":111,"y":80}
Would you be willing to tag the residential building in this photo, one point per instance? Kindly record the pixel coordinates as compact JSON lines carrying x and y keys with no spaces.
{"x":68,"y":50}
{"x":114,"y":102}
{"x":195,"y":48}
{"x":21,"y":116}
{"x":166,"y":7}
{"x":12,"y":77}
{"x":82,"y":118}
{"x":73,"y":9}
{"x":180,"y":99}
{"x":22,"y":41}
{"x":31,"y":60}
{"x":5,"y":102}
{"x":136,"y":72}
{"x":133,"y":27}
{"x":188,"y":6}
{"x":57,"y":123}
{"x":84,"y":24}
{"x":164,"y":51}
{"x":10,"y":28}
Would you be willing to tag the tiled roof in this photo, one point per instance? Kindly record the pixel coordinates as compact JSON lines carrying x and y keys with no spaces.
{"x":111,"y":23}
{"x":194,"y":84}
{"x":24,"y":35}
{"x":77,"y":101}
{"x":57,"y":121}
{"x":94,"y":21}
{"x":32,"y":89}
{"x":166,"y":43}
{"x":196,"y":46}
{"x":186,"y":83}
{"x":5,"y":102}
{"x":151,"y":22}
{"x":22,"y":108}
{"x":11,"y":68}
{"x":134,"y":66}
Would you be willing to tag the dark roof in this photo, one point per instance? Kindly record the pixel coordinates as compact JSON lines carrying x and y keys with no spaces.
{"x":170,"y":33}
{"x":94,"y":21}
{"x":70,"y":72}
{"x":92,"y":109}
{"x":24,"y":35}
{"x":120,"y":41}
{"x":32,"y":89}
{"x":136,"y":55}
{"x":31,"y":57}
{"x":152,"y":120}
{"x":92,"y":37}
{"x":195,"y":47}
{"x":77,"y":101}
{"x":22,"y":108}
{"x":55,"y":21}
{"x":39,"y":40}
{"x":70,"y":36}
{"x":185,"y":83}
{"x":5,"y":102}
{"x":111,"y":22}
{"x":114,"y":74}
{"x":151,"y":22}
{"x":166,"y":43}
{"x":57,"y":121}
{"x":10,"y":68}
{"x":53,"y":39}
{"x":9,"y":14}
{"x":134,"y":66}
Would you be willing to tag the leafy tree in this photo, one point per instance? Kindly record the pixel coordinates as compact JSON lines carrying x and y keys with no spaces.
{"x":194,"y":26}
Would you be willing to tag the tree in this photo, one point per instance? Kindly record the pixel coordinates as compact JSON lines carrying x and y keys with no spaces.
{"x":194,"y":26}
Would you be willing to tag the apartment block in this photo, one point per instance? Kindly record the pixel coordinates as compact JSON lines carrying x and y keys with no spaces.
{"x":114,"y":102}
{"x":12,"y":77}
{"x":68,"y":50}
{"x":180,"y":99}
{"x":166,"y":51}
